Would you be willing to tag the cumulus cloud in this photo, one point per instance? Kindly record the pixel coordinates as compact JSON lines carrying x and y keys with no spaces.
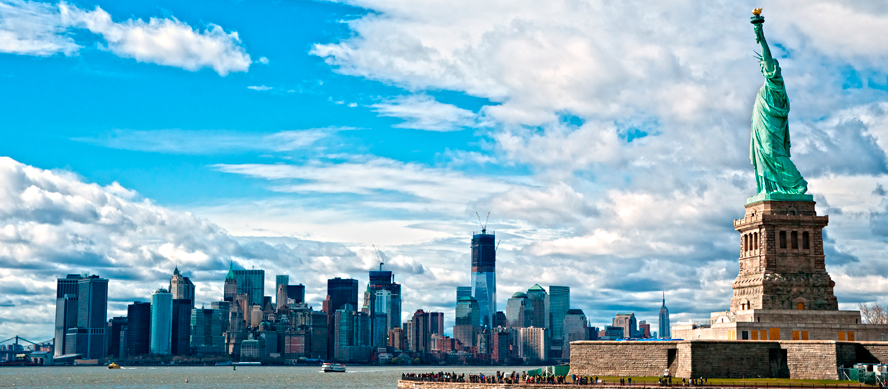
{"x":633,"y":123}
{"x":32,"y":28}
{"x":54,"y":224}
{"x":422,"y":112}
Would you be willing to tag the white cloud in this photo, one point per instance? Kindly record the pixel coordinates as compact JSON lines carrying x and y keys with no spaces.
{"x":208,"y":141}
{"x":633,"y":123}
{"x":52,"y":223}
{"x":260,"y":88}
{"x":166,"y":42}
{"x":32,"y":28}
{"x":263,"y":60}
{"x":423,"y":112}
{"x":433,"y":187}
{"x":40,"y":29}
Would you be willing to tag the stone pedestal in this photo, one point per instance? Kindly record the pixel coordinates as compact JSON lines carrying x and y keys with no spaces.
{"x":781,"y":259}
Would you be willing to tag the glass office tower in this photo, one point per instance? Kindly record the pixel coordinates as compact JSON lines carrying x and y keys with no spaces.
{"x":251,"y":283}
{"x":559,"y":303}
{"x":484,"y":275}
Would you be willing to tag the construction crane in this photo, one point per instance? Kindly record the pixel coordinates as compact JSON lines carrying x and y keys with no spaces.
{"x":497,"y":245}
{"x":381,"y":261}
{"x":483,"y":225}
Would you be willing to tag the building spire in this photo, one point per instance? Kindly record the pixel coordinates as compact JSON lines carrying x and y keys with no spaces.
{"x":230,"y":275}
{"x":664,"y":298}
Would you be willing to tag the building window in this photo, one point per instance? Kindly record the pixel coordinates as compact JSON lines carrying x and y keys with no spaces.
{"x":783,"y":239}
{"x":795,"y":335}
{"x":774,"y":333}
{"x":804,"y":335}
{"x":743,"y":243}
{"x":801,"y":306}
{"x":806,"y":241}
{"x":755,"y":240}
{"x":794,"y":240}
{"x":763,"y":335}
{"x":841,"y":335}
{"x":744,"y":335}
{"x":884,"y":337}
{"x":755,"y":335}
{"x":850,"y":336}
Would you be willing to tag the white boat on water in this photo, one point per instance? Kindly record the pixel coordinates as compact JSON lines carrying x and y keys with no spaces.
{"x":333,"y":368}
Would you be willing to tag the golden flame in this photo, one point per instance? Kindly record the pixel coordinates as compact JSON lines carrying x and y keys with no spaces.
{"x":756,"y":11}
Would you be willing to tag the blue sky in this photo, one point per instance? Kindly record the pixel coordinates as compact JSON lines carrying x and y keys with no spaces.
{"x":86,"y":101}
{"x":295,"y":135}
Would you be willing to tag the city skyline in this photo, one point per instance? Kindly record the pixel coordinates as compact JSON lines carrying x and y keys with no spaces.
{"x":296,"y":155}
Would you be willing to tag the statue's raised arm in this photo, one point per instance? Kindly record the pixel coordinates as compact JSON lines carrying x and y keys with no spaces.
{"x":767,"y":60}
{"x":769,"y":143}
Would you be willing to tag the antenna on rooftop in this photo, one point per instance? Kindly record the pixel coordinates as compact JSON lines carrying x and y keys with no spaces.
{"x":381,"y":261}
{"x":483,"y":225}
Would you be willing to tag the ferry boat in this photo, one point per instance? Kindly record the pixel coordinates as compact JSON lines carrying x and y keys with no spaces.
{"x":333,"y":368}
{"x":113,"y":366}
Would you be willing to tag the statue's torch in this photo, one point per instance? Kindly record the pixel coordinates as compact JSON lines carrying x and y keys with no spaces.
{"x":757,"y":17}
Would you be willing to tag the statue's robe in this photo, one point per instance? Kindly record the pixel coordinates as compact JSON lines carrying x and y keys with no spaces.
{"x":769,"y":146}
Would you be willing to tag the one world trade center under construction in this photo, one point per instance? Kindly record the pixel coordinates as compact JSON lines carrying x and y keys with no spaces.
{"x":484,"y":275}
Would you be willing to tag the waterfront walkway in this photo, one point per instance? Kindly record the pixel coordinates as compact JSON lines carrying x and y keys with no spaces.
{"x":416,"y":384}
{"x":514,"y":379}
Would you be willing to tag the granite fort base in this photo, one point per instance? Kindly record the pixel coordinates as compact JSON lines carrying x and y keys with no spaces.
{"x":722,"y":358}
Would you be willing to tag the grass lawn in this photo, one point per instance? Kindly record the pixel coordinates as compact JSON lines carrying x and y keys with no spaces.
{"x":676,"y":382}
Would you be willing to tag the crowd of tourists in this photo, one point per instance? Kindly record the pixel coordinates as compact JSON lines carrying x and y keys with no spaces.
{"x":500,"y":378}
{"x":524,"y":378}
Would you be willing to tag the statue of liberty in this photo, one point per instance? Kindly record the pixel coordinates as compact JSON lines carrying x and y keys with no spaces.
{"x":769,"y":144}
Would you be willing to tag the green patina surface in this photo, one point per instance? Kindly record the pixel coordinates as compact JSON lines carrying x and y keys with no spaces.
{"x":769,"y":138}
{"x":779,"y":197}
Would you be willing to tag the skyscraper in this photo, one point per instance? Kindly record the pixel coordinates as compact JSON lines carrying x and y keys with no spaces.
{"x":319,"y":335}
{"x":516,"y":311}
{"x":380,"y":317}
{"x":180,"y":335}
{"x":436,"y":323}
{"x":88,"y":337}
{"x":628,"y":323}
{"x":418,"y":332}
{"x":574,"y":329}
{"x":296,"y":293}
{"x":66,"y":310}
{"x":281,"y":299}
{"x":230,"y":288}
{"x":484,"y":274}
{"x":115,"y":336}
{"x":533,"y":343}
{"x":281,"y":279}
{"x":181,"y":287}
{"x":644,"y":330}
{"x":538,"y":300}
{"x":161,"y":322}
{"x":382,"y":289}
{"x":340,"y":291}
{"x":463,"y":291}
{"x":559,"y":303}
{"x":138,"y":328}
{"x":251,"y":283}
{"x":665,"y":330}
{"x":468,"y":319}
{"x":206,"y":332}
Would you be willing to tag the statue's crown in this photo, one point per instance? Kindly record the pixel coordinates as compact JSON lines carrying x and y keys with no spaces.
{"x":756,"y":11}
